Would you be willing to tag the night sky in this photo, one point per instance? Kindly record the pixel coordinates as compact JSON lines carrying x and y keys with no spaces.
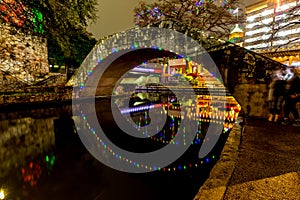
{"x":117,"y":15}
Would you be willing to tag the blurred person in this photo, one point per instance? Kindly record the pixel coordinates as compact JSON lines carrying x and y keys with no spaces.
{"x":276,"y":95}
{"x":292,"y":97}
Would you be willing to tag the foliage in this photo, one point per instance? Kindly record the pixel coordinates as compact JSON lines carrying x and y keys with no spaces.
{"x":81,"y":43}
{"x":212,"y":17}
{"x":284,"y":21}
{"x":57,"y":20}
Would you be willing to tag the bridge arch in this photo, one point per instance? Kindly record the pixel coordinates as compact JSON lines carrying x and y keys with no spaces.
{"x":119,"y":53}
{"x":245,"y":74}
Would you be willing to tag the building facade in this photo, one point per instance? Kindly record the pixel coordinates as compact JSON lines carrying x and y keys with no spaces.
{"x":271,"y":31}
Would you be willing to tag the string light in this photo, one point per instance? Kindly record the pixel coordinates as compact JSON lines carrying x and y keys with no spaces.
{"x":227,"y":127}
{"x":87,"y":69}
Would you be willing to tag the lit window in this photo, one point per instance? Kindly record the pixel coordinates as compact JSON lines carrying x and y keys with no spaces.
{"x":267,"y":21}
{"x":279,"y":17}
{"x":286,"y":6}
{"x":251,"y":18}
{"x":280,"y":42}
{"x":257,"y":46}
{"x":261,"y":30}
{"x":253,"y":24}
{"x":267,"y":12}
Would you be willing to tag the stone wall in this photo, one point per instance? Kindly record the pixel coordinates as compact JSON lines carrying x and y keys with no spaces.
{"x":253,"y":99}
{"x":38,"y":94}
{"x":23,"y":56}
{"x":10,"y":83}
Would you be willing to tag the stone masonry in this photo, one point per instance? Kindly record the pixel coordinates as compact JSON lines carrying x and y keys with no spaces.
{"x":23,"y":56}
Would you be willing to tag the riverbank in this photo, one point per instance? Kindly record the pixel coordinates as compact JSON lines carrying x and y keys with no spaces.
{"x":260,"y":160}
{"x":35,"y":97}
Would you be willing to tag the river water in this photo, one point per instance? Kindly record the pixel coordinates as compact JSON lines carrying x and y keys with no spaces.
{"x":43,"y":157}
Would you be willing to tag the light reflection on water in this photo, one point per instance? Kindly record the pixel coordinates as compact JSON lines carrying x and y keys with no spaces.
{"x":42,"y":156}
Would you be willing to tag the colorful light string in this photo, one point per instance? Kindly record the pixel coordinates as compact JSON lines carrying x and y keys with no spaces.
{"x":138,"y":165}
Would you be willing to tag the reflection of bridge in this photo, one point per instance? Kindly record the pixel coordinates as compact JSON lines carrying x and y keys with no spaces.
{"x":198,"y":91}
{"x":245,"y":73}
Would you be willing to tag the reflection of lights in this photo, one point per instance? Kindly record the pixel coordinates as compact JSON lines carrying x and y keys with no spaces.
{"x":31,"y":173}
{"x":2,"y":195}
{"x":140,"y":108}
{"x":138,"y":69}
{"x":138,"y":165}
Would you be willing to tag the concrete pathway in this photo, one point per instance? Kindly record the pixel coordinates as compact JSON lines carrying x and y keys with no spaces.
{"x":261,"y":160}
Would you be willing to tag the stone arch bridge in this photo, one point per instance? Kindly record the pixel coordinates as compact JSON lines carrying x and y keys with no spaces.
{"x":245,"y":74}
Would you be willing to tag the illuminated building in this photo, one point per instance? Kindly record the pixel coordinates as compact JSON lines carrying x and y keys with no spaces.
{"x":237,"y":35}
{"x":266,"y":16}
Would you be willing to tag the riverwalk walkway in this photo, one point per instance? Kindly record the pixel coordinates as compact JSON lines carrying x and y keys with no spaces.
{"x":260,"y":160}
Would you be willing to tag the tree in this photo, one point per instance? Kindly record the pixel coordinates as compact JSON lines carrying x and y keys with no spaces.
{"x":57,"y":20}
{"x":215,"y":18}
{"x":80,"y":44}
{"x":285,"y":27}
{"x":279,"y":28}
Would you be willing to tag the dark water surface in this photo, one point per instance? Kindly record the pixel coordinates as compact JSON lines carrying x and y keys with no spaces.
{"x":42,"y":157}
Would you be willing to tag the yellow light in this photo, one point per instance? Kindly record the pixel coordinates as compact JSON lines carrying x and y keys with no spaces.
{"x":2,"y":195}
{"x":252,"y":8}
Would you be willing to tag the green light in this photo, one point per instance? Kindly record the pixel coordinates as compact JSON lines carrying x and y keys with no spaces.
{"x":184,"y":167}
{"x":40,"y":16}
{"x":47,"y":158}
{"x":213,"y":157}
{"x":37,"y":21}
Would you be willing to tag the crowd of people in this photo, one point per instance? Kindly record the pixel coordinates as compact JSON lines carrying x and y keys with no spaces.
{"x":284,"y":93}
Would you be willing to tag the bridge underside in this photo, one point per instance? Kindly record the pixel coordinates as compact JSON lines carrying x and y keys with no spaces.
{"x":116,"y":66}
